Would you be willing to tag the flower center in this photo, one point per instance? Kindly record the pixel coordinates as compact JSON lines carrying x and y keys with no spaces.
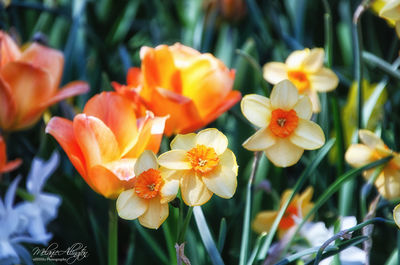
{"x":148,"y":184}
{"x":287,"y":220}
{"x":299,"y":79}
{"x":283,"y":122}
{"x":202,"y":158}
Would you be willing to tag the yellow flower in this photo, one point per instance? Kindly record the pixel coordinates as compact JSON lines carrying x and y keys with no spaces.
{"x":376,"y":7}
{"x":305,"y":69}
{"x":372,"y":149}
{"x":148,"y":200}
{"x":396,"y":215}
{"x":203,"y":165}
{"x":391,"y":12}
{"x":299,"y":207}
{"x":285,"y":127}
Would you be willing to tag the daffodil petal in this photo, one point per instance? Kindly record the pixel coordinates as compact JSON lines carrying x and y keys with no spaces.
{"x":174,"y":159}
{"x":275,"y":72}
{"x":359,"y":155}
{"x":316,"y":105}
{"x":308,"y":135}
{"x":314,"y":60}
{"x":146,"y":161}
{"x":260,"y":141}
{"x":155,"y":215}
{"x":169,"y":190}
{"x":223,"y":181}
{"x":283,"y":153}
{"x":396,"y":215}
{"x":371,"y":140}
{"x":256,"y":109}
{"x":296,"y":59}
{"x":284,"y":95}
{"x":303,"y":107}
{"x":391,"y":10}
{"x":388,"y":183}
{"x":130,"y":206}
{"x":184,"y":141}
{"x":213,"y":138}
{"x":263,"y":221}
{"x":324,"y":80}
{"x":194,"y":192}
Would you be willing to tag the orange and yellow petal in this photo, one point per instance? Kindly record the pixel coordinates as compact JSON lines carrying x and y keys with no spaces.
{"x":130,"y":206}
{"x":8,"y":49}
{"x":284,"y":95}
{"x":184,"y":141}
{"x":303,"y":108}
{"x":257,"y":109}
{"x":388,"y":184}
{"x":69,"y":90}
{"x":314,"y":61}
{"x":283,"y":153}
{"x":308,"y":135}
{"x":323,"y":80}
{"x":8,"y":106}
{"x":263,"y":221}
{"x":274,"y":72}
{"x":155,"y":214}
{"x":214,"y":139}
{"x":296,"y":59}
{"x":391,"y":10}
{"x":358,"y":155}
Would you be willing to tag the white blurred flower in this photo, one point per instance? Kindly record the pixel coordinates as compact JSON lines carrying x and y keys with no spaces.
{"x":317,"y":234}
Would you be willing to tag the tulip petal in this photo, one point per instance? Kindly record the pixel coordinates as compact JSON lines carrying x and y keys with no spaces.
{"x":3,"y":152}
{"x":275,"y":72}
{"x":260,"y":141}
{"x":194,"y":192}
{"x":134,"y":77}
{"x":96,"y":141}
{"x":257,"y":109}
{"x":155,"y":214}
{"x":314,"y":60}
{"x":303,"y":108}
{"x":175,"y":159}
{"x":263,"y":221}
{"x":213,"y":138}
{"x":283,"y":153}
{"x":8,"y":107}
{"x":359,"y":155}
{"x":10,"y":165}
{"x":223,"y":181}
{"x":146,"y":161}
{"x":107,"y":183}
{"x":296,"y":59}
{"x":323,"y":80}
{"x":62,"y":130}
{"x":123,"y":169}
{"x":308,"y":135}
{"x":130,"y":206}
{"x":169,"y":190}
{"x":8,"y":49}
{"x":184,"y":141}
{"x":50,"y":60}
{"x":284,"y":95}
{"x":71,"y":89}
{"x":117,"y":114}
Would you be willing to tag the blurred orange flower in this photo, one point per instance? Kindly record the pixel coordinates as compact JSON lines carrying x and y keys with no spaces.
{"x":29,"y":81}
{"x":104,"y":141}
{"x":193,"y":88}
{"x":6,"y":166}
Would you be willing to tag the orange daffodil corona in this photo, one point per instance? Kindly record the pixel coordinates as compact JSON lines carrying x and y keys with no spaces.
{"x":104,"y":141}
{"x":298,"y":208}
{"x":151,"y":192}
{"x":285,"y":129}
{"x":371,"y":149}
{"x":192,"y":88}
{"x":304,"y":68}
{"x":29,"y":81}
{"x":202,"y":164}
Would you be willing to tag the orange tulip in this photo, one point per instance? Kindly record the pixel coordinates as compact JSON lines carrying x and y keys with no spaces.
{"x":104,"y":141}
{"x":29,"y":83}
{"x":6,"y":166}
{"x":193,"y":88}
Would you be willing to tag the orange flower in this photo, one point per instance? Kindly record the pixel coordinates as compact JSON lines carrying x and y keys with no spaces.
{"x":193,"y":88}
{"x":4,"y":165}
{"x":104,"y":141}
{"x":29,"y":83}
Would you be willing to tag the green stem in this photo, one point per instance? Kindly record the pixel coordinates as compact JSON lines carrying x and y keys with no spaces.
{"x":367,"y":188}
{"x":182,"y":232}
{"x":112,"y":234}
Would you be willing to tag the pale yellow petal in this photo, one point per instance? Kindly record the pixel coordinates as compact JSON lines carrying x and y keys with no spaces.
{"x":184,"y":141}
{"x":263,"y":221}
{"x":169,"y":190}
{"x":275,"y":72}
{"x":256,"y":109}
{"x":314,"y":61}
{"x":145,"y":161}
{"x":213,"y":138}
{"x":371,"y":140}
{"x":222,"y":181}
{"x":324,"y":80}
{"x":260,"y":141}
{"x":303,"y":107}
{"x":391,"y":10}
{"x":194,"y":192}
{"x":316,"y":105}
{"x":155,"y":215}
{"x":174,"y":159}
{"x":283,"y":153}
{"x":397,"y":27}
{"x":358,"y":155}
{"x":130,"y":206}
{"x":388,"y":184}
{"x":396,"y":215}
{"x":284,"y":95}
{"x":296,"y":59}
{"x":308,"y":135}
